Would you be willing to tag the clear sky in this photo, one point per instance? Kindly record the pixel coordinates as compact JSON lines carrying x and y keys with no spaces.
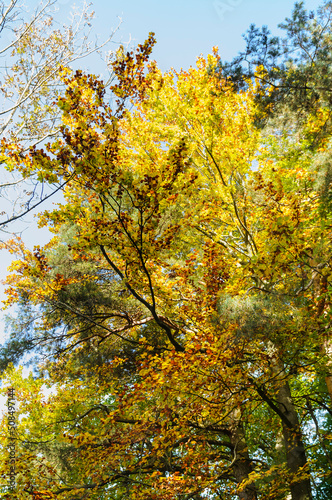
{"x":184,"y":29}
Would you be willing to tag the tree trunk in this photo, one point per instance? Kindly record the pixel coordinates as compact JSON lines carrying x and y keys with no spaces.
{"x":327,"y":351}
{"x":242,"y":465}
{"x":320,"y":290}
{"x":292,"y":434}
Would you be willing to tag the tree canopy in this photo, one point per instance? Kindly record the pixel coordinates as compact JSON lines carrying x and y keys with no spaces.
{"x":181,"y":313}
{"x":36,"y":53}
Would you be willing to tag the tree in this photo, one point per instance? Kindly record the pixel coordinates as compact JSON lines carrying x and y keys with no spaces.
{"x":295,"y":76}
{"x":208,"y":266}
{"x":295,"y":92}
{"x":37,"y":56}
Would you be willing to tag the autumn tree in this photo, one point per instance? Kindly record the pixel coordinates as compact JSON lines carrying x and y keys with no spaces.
{"x":295,"y":93}
{"x":186,"y":279}
{"x":37,"y":54}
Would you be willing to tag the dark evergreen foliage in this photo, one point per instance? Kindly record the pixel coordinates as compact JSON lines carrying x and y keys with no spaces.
{"x":297,"y":66}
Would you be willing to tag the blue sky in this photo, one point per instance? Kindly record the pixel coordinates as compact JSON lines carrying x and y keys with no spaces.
{"x":184,"y":29}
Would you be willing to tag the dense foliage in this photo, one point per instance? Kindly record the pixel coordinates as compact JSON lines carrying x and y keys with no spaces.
{"x":181,"y":313}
